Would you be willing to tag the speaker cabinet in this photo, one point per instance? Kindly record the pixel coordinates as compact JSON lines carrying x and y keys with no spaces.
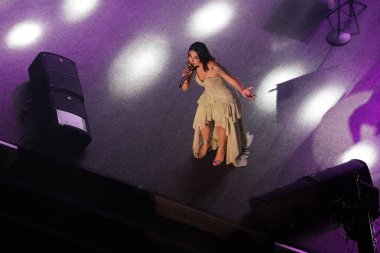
{"x":313,"y":196}
{"x":57,"y":93}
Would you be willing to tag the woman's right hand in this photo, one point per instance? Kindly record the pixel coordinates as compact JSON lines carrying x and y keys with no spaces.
{"x":187,"y":74}
{"x":187,"y":71}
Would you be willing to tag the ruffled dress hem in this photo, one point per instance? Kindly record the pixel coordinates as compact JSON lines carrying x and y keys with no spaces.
{"x":215,"y":112}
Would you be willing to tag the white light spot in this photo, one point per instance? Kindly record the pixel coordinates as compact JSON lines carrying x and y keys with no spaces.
{"x":365,"y":151}
{"x":210,"y":19}
{"x":317,"y":104}
{"x":267,"y":93}
{"x":23,"y":34}
{"x":76,"y":10}
{"x":138,"y":65}
{"x":280,"y":45}
{"x":367,"y":131}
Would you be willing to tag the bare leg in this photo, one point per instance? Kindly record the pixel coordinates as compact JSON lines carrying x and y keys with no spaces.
{"x":221,"y":152}
{"x":206,"y":141}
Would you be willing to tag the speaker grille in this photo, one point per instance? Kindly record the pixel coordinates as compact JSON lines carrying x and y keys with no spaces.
{"x":58,"y":63}
{"x":65,"y":83}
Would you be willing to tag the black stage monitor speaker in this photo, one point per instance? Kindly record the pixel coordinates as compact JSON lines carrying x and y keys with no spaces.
{"x":314,"y":196}
{"x":57,"y":93}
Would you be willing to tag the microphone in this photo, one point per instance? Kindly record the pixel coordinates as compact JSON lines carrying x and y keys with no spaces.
{"x":191,"y":68}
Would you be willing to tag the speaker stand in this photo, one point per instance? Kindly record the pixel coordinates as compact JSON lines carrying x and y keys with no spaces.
{"x":337,"y":37}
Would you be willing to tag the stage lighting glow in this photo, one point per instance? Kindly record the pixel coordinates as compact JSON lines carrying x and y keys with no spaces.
{"x":365,"y":151}
{"x":267,"y":89}
{"x":210,"y":19}
{"x":139,"y":65}
{"x":23,"y":34}
{"x":280,"y":45}
{"x":74,"y":10}
{"x":316,"y":105}
{"x":367,"y":131}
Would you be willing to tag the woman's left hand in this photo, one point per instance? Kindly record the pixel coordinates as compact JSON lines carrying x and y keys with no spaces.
{"x":247,"y":93}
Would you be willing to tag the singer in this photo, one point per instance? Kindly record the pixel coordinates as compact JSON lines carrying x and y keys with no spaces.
{"x":217,"y":123}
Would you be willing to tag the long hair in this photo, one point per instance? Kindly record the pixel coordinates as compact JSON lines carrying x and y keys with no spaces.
{"x":203,"y":53}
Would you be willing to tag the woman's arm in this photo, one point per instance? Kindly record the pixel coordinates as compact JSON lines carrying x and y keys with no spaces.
{"x":245,"y":92}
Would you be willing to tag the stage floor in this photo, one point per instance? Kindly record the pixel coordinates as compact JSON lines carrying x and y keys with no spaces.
{"x":317,"y":105}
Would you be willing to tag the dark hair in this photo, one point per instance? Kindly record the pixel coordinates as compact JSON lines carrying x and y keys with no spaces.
{"x":203,"y":53}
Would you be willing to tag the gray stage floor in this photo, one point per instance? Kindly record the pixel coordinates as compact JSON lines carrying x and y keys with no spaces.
{"x":317,"y":105}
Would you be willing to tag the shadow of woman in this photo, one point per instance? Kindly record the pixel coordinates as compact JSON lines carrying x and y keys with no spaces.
{"x":366,"y":114}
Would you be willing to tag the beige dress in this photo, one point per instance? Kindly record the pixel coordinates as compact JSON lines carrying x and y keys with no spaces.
{"x":218,"y":106}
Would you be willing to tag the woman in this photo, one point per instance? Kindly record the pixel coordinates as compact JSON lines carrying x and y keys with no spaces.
{"x":217,"y":122}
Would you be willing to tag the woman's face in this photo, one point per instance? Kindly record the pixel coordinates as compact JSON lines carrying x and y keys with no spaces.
{"x":194,"y":59}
